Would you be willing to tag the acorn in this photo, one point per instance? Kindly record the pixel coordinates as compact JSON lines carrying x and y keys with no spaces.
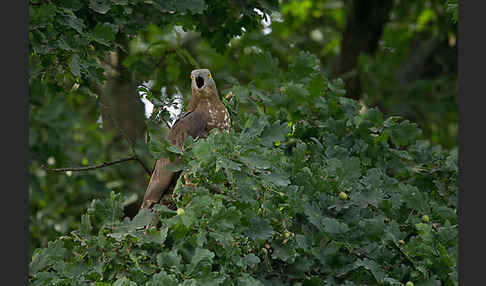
{"x":343,"y":196}
{"x":425,"y":218}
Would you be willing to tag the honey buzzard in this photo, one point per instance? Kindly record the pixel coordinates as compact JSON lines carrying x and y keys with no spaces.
{"x":205,"y":111}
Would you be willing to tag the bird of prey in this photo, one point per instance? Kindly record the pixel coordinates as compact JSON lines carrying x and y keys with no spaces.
{"x":205,"y":111}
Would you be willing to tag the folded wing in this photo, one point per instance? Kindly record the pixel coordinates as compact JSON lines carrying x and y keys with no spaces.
{"x":162,"y":181}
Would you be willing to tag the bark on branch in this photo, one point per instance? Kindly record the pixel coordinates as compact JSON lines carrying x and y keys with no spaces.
{"x":105,"y":164}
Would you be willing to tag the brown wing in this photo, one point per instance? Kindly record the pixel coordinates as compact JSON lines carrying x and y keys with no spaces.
{"x":162,"y":179}
{"x":192,"y":123}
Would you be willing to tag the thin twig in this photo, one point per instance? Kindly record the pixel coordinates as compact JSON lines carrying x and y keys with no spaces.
{"x":130,"y":144}
{"x":143,"y":165}
{"x":166,"y":123}
{"x":88,"y":168}
{"x":156,"y":115}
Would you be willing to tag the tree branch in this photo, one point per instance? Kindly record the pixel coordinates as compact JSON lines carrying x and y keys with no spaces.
{"x":143,"y":165}
{"x":131,"y":144}
{"x":88,"y":168}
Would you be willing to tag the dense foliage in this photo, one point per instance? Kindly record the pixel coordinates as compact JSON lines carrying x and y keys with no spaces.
{"x":68,"y":44}
{"x":309,"y":187}
{"x":267,"y":208}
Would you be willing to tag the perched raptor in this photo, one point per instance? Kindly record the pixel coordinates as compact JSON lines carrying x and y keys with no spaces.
{"x":205,"y":111}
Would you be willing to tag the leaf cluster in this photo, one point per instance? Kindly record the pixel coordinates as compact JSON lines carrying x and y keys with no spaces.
{"x":70,"y":43}
{"x":267,"y":210}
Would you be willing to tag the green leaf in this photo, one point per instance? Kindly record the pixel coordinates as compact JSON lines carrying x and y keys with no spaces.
{"x":374,"y":116}
{"x":225,"y":238}
{"x":181,"y":6}
{"x":143,"y":218}
{"x":74,"y":65}
{"x":202,"y":149}
{"x":373,"y":178}
{"x":54,"y":251}
{"x":163,"y":210}
{"x":351,"y":169}
{"x":304,"y":65}
{"x":227,"y":164}
{"x":169,"y":259}
{"x":163,"y":279}
{"x":85,"y":226}
{"x":425,"y":232}
{"x":317,"y":86}
{"x":350,"y":108}
{"x":301,"y":241}
{"x":175,"y":149}
{"x":429,"y":282}
{"x":404,"y":133}
{"x":124,"y":282}
{"x":155,"y":236}
{"x":374,"y":267}
{"x":391,"y":121}
{"x":189,"y":57}
{"x":333,"y":226}
{"x":283,"y":252}
{"x":105,"y":33}
{"x":265,"y":64}
{"x":276,"y":132}
{"x":391,"y":281}
{"x":201,"y":257}
{"x":414,"y":198}
{"x":255,"y":162}
{"x":297,"y":92}
{"x":259,"y":229}
{"x":254,"y":127}
{"x":336,"y":88}
{"x":100,"y":6}
{"x":250,"y":260}
{"x":453,"y":10}
{"x":246,"y":280}
{"x":451,"y":163}
{"x":74,"y":22}
{"x":120,"y":2}
{"x":279,"y":180}
{"x":366,"y":197}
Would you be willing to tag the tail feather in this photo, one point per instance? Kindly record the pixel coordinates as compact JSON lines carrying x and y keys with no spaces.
{"x":159,"y":182}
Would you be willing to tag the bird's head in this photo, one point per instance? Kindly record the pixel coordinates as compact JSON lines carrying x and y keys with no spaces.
{"x":203,"y":83}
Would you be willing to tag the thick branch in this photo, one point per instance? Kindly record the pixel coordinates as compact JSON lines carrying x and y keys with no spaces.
{"x":105,"y":164}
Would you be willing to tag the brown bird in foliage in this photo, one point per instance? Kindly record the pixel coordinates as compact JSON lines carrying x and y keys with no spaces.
{"x":205,"y":111}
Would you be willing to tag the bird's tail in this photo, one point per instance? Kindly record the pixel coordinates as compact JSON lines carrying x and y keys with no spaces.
{"x":159,"y":182}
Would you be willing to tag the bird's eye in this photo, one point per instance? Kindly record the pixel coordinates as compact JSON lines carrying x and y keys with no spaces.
{"x":209,"y":75}
{"x":192,"y":77}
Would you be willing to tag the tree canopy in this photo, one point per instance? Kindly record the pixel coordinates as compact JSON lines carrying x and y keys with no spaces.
{"x":340,"y":168}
